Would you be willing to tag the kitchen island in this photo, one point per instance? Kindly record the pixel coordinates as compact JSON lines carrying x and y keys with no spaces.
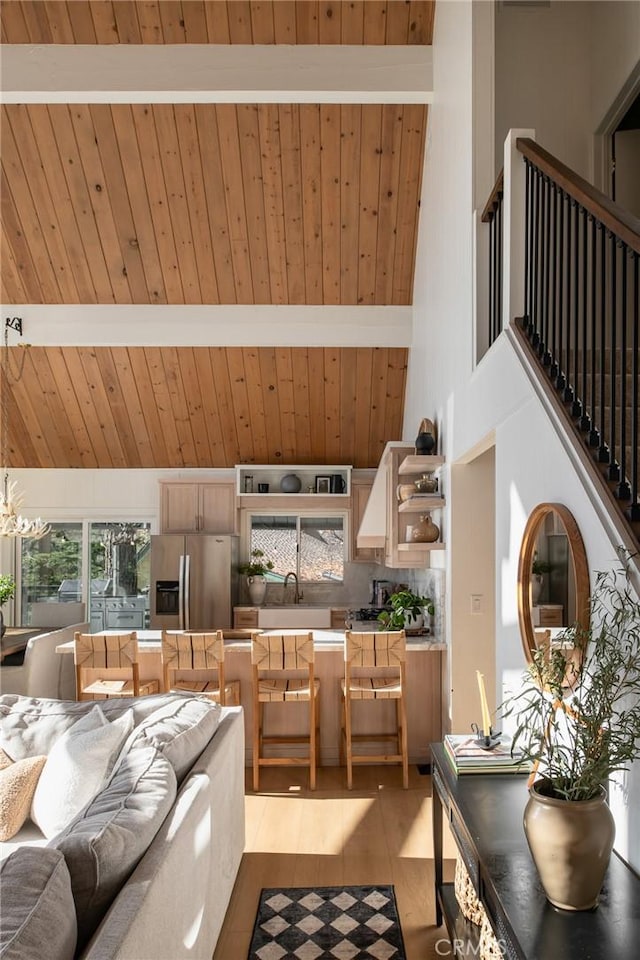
{"x":424,"y":692}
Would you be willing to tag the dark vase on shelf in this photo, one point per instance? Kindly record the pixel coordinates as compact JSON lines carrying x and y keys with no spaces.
{"x":425,"y":441}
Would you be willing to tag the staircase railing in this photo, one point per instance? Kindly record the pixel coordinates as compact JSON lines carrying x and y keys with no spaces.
{"x":492,"y":214}
{"x":581,"y":311}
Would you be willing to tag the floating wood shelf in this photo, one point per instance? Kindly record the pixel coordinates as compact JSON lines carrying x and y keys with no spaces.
{"x":421,"y":504}
{"x":419,"y":547}
{"x":416,"y":464}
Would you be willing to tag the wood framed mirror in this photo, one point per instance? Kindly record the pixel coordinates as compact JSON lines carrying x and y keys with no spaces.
{"x":553,"y":577}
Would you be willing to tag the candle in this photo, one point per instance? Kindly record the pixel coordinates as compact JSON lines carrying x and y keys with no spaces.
{"x":486,"y":718}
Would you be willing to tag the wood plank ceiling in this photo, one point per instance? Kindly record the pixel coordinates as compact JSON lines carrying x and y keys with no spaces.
{"x":208,"y":204}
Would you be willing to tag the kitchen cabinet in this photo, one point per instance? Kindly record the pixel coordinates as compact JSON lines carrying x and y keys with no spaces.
{"x":359,"y":498}
{"x":205,"y":507}
{"x":403,"y":465}
{"x":245,"y":617}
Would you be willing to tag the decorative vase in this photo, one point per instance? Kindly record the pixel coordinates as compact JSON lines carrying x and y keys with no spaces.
{"x":425,"y":530}
{"x":291,"y":483}
{"x":426,"y":484}
{"x":571,"y":843}
{"x":257,"y":589}
{"x":537,"y":583}
{"x":404,"y":491}
{"x":425,"y":441}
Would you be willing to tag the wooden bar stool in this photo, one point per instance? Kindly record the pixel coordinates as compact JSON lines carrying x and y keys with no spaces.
{"x":379,"y":659}
{"x":109,"y":652}
{"x":187,"y":652}
{"x":274,"y":658}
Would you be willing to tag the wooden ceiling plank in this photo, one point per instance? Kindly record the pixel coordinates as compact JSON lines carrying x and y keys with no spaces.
{"x":135,"y":185}
{"x":311,"y":200}
{"x":72,"y":168}
{"x":353,"y":22}
{"x":262,"y":28}
{"x":21,"y":451}
{"x":70,"y":404}
{"x":228,"y":136}
{"x":37,"y":21}
{"x":254,"y":190}
{"x":284,"y":21}
{"x":22,"y":397}
{"x":98,"y":453}
{"x":271,"y":164}
{"x":127,"y":23}
{"x":122,"y":405}
{"x":21,"y":153}
{"x":144,"y":121}
{"x":377,"y":438}
{"x":14,"y":240}
{"x":165,"y":118}
{"x":286,"y":394}
{"x":421,"y":16}
{"x":81,"y":22}
{"x":330,"y":179}
{"x":241,"y":411}
{"x":99,"y":407}
{"x":333,"y":404}
{"x":210,"y":161}
{"x":375,"y":22}
{"x":397,"y":22}
{"x":329,"y":21}
{"x":116,"y":188}
{"x":159,"y":454}
{"x":301,"y":408}
{"x":262,"y":444}
{"x":307,"y":21}
{"x":392,"y":120}
{"x":370,"y":153}
{"x":47,"y":290}
{"x":53,"y":171}
{"x":12,"y":288}
{"x":317,"y":403}
{"x":349,"y":400}
{"x":177,"y":397}
{"x":129,"y":391}
{"x":396,"y":380}
{"x":171,"y":18}
{"x":217,"y":21}
{"x":239,"y":15}
{"x":193,"y":406}
{"x":59,"y":21}
{"x":222,"y":387}
{"x":195,"y":21}
{"x":220,"y":457}
{"x":271,"y":401}
{"x":53,"y":424}
{"x":289,"y":123}
{"x":364,"y":372}
{"x":162,"y":402}
{"x":150,"y":22}
{"x":411,"y":155}
{"x":13,"y":26}
{"x":91,"y":159}
{"x":190,"y":161}
{"x":350,"y":120}
{"x":104,"y":21}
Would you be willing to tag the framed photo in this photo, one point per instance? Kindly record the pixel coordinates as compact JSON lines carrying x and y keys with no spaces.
{"x":323,"y":484}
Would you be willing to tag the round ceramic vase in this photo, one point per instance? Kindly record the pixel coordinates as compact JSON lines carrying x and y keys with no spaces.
{"x":257,"y":589}
{"x":571,"y":843}
{"x":425,"y":530}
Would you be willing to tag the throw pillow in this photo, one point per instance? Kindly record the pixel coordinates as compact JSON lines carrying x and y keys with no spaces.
{"x":76,"y":769}
{"x":38,"y":918}
{"x":18,"y":783}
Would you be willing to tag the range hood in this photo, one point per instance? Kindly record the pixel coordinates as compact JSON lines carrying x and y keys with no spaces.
{"x":373,"y":526}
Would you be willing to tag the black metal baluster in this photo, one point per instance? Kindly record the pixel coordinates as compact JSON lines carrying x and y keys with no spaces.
{"x":603,"y":449}
{"x":576,"y":406}
{"x":634,"y":511}
{"x":534,"y":333}
{"x":614,"y":469}
{"x":544,"y":333}
{"x":551,"y":327}
{"x":623,"y":491}
{"x":561,"y":360}
{"x":499,"y":270}
{"x":491,"y":261}
{"x":527,"y":247}
{"x":594,"y":434}
{"x":585,"y":419}
{"x":571,"y":268}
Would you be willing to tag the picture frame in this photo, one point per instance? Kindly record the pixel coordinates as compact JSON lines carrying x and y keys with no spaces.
{"x":323,"y":484}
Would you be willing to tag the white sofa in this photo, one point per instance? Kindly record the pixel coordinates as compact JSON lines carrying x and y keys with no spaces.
{"x":43,"y":672}
{"x":172,"y":904}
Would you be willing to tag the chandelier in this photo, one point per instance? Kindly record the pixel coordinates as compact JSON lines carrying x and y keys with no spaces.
{"x":12,"y":523}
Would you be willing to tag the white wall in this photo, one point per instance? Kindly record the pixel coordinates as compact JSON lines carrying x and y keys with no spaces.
{"x":615,"y":52}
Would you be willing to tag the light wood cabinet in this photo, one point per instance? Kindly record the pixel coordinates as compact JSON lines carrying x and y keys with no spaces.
{"x":404,"y":466}
{"x":187,"y":507}
{"x":338,"y":618}
{"x":245,"y":616}
{"x":359,"y":497}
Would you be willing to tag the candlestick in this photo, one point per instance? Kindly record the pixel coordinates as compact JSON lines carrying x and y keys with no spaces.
{"x":486,"y":716}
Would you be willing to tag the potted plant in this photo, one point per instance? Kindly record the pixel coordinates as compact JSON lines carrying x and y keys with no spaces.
{"x":254,"y":570}
{"x":407,"y":611}
{"x":577,"y":722}
{"x":7,"y":592}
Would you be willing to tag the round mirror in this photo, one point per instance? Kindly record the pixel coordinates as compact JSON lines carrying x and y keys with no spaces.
{"x":553,"y":577}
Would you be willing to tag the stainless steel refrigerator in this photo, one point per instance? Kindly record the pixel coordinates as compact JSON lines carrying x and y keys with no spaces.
{"x":193,"y":581}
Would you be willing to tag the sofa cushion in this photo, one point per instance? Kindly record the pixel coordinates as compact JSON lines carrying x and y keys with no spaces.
{"x":76,"y":768}
{"x":104,"y":844}
{"x":180,"y":730}
{"x":38,"y":918}
{"x":18,"y":783}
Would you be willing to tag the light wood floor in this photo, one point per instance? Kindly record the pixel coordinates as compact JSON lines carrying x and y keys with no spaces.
{"x":375,"y":833}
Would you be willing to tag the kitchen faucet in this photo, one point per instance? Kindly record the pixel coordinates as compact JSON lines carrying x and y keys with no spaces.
{"x":297,"y":597}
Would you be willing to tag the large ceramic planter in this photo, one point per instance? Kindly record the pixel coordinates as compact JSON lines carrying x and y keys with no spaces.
{"x":257,"y":589}
{"x":571,"y":843}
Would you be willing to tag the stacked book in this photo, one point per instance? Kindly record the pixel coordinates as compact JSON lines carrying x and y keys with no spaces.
{"x":467,"y":756}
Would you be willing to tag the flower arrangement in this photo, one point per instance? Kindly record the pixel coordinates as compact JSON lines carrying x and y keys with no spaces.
{"x":255,"y":566}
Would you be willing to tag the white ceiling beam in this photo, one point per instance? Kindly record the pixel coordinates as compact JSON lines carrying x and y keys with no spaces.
{"x":106,"y":325}
{"x":207,"y":73}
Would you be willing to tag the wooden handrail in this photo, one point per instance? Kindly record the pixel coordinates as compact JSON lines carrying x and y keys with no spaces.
{"x":614,"y":217}
{"x":494,"y":198}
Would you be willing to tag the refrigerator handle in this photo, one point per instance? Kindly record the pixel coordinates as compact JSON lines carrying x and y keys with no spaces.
{"x":181,"y":585}
{"x":187,"y":577}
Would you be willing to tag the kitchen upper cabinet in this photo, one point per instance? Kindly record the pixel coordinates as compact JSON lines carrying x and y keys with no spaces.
{"x":187,"y":507}
{"x":360,"y":491}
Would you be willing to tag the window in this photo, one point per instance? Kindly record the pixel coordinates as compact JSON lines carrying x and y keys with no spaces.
{"x":311,"y":547}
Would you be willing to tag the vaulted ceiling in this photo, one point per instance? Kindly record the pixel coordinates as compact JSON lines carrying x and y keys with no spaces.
{"x":191,"y":204}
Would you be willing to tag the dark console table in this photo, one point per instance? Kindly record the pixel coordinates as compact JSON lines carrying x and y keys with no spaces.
{"x":485,"y":816}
